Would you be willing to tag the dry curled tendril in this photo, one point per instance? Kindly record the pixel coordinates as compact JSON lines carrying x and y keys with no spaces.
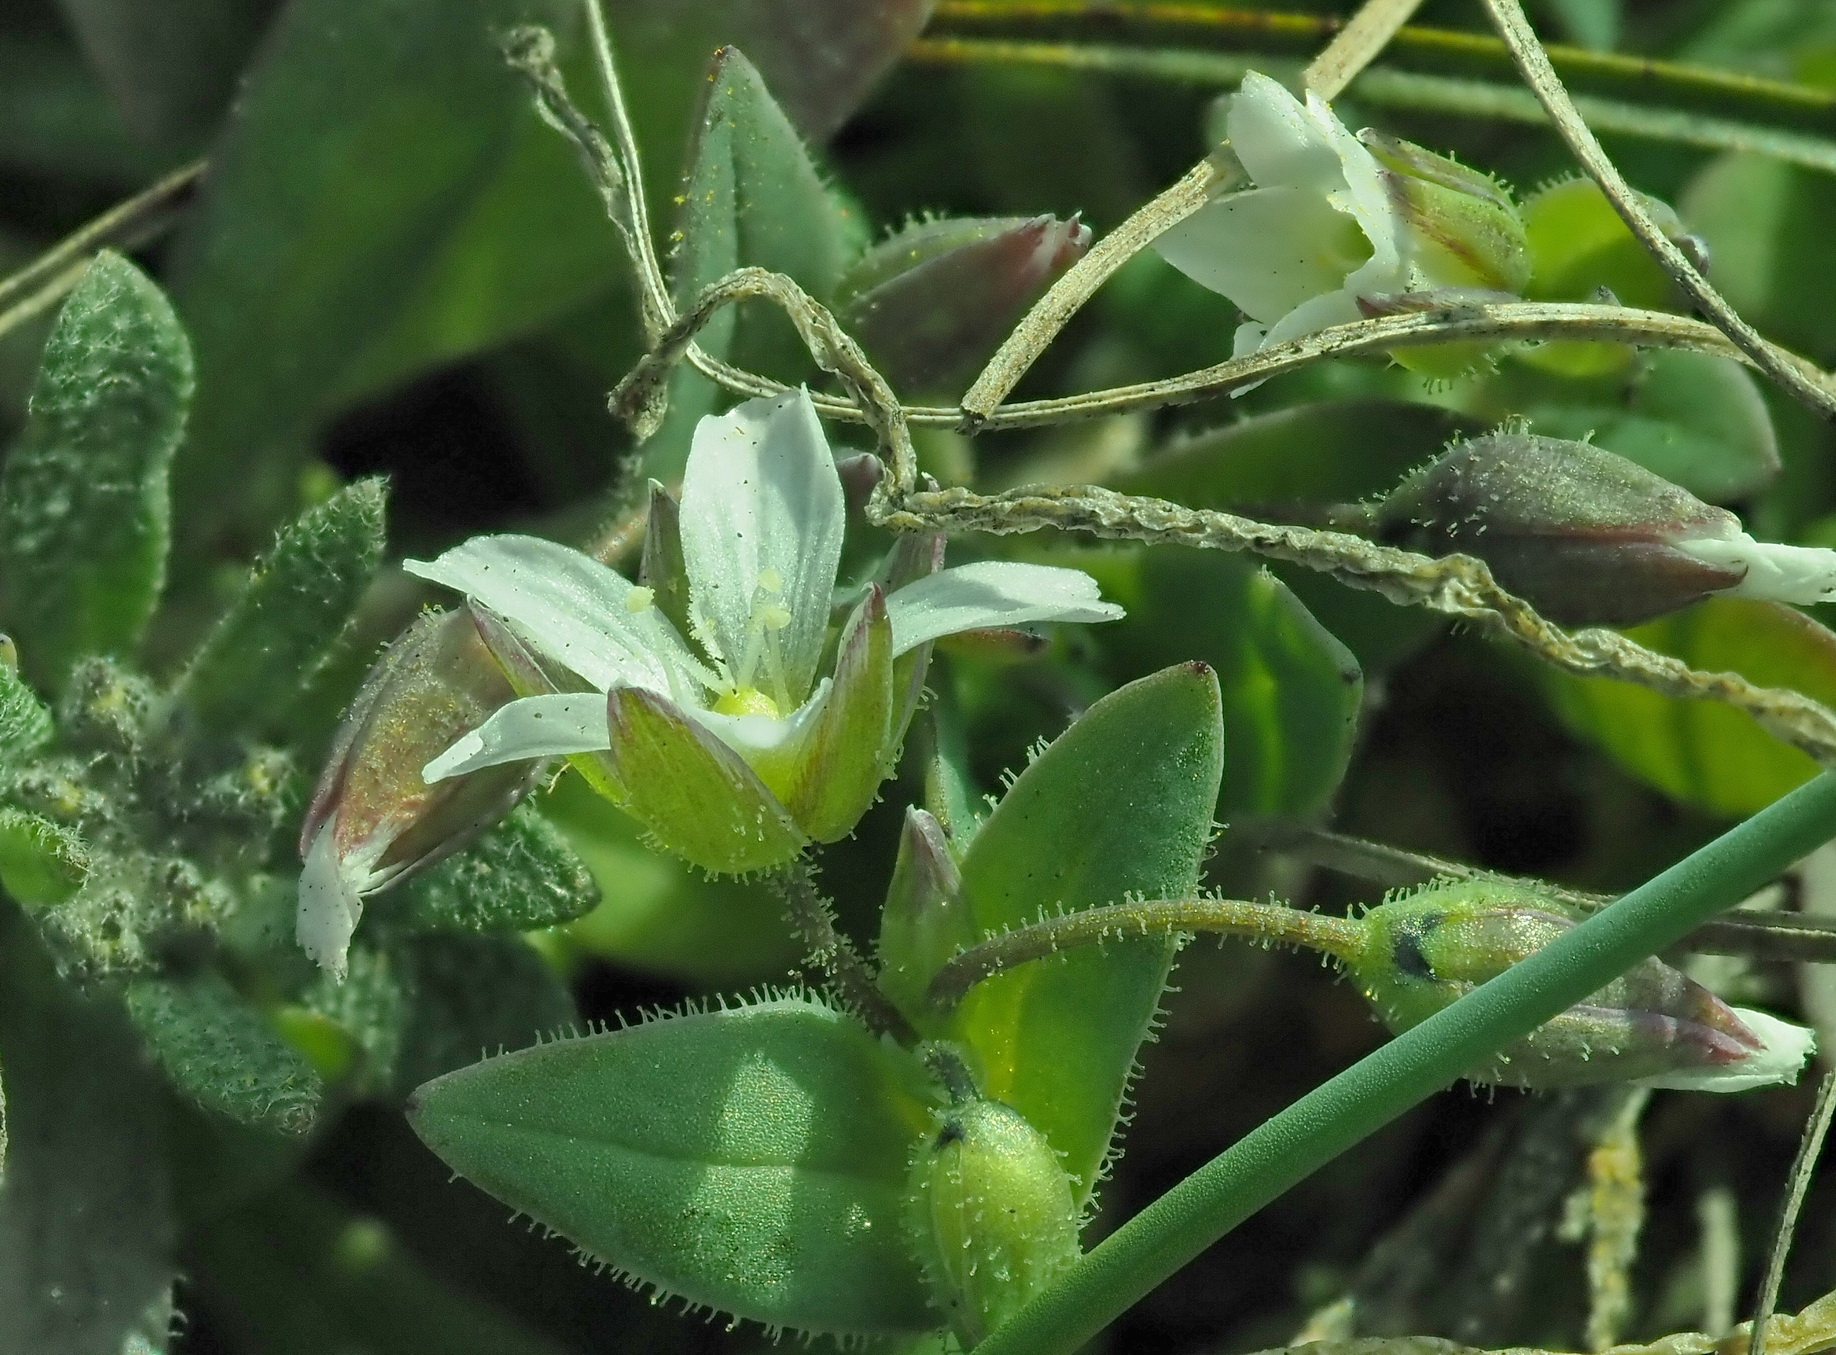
{"x":1458,"y":586}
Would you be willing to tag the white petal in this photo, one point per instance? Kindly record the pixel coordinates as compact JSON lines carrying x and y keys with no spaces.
{"x":536,"y":726}
{"x":1366,"y":199}
{"x":329,"y":907}
{"x":1786,"y":1047}
{"x":1782,"y":573}
{"x":762,"y":735}
{"x":570,"y":608}
{"x":1268,"y":250}
{"x":992,"y":593}
{"x":1311,"y":316}
{"x":1279,"y":142}
{"x":762,"y":504}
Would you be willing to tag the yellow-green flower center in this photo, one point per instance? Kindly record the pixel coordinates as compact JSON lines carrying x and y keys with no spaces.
{"x":746,"y":701}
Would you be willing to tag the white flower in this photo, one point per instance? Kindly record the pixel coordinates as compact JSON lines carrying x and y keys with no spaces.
{"x":1781,"y":1053}
{"x":1317,"y":232}
{"x":1800,"y":574}
{"x":743,"y":725}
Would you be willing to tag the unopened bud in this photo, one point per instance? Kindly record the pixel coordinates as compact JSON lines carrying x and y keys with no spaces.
{"x":991,"y":1214}
{"x":934,"y":300}
{"x":926,"y":919}
{"x":373,"y":820}
{"x":1584,"y":535}
{"x":1653,"y":1025}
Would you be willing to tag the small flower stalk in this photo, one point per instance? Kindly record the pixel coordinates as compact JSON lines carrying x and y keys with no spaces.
{"x":1589,"y":537}
{"x":1651,"y":1027}
{"x":1338,"y":226}
{"x":700,"y":700}
{"x":374,"y":821}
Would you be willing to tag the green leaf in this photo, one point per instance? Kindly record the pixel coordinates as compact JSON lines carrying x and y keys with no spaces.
{"x":296,"y":607}
{"x":1703,"y":752}
{"x":383,"y":198}
{"x":84,"y":515}
{"x":86,"y":1229}
{"x":750,"y":1159}
{"x":519,"y":876}
{"x":220,"y":1053}
{"x":1291,"y":690}
{"x":1121,"y":803}
{"x":171,"y":67}
{"x":25,"y":723}
{"x":750,"y":196}
{"x":41,"y":863}
{"x":1696,"y":419}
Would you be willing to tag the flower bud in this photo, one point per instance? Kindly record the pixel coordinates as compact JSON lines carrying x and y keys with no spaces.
{"x":935,"y":299}
{"x":373,"y":821}
{"x":1653,"y":1025}
{"x":991,"y":1214}
{"x":926,"y":920}
{"x":1584,"y":535}
{"x":1464,"y":230}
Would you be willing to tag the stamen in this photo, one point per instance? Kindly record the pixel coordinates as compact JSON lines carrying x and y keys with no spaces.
{"x":640,"y":600}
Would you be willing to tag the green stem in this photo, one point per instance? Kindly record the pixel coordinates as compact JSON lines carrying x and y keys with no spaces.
{"x":1338,"y":937}
{"x":1350,"y":1107}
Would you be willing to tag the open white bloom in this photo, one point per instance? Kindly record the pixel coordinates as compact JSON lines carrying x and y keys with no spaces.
{"x":1782,"y":1050}
{"x":1799,"y":574}
{"x":731,"y":746}
{"x":1317,"y":232}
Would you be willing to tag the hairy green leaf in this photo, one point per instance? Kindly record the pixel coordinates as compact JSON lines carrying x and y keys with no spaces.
{"x":25,"y":723}
{"x":519,"y":876}
{"x":750,"y":196}
{"x":41,"y":863}
{"x":86,"y":1230}
{"x":1121,"y":803}
{"x":84,"y":516}
{"x":469,"y":996}
{"x":749,"y":1159}
{"x":220,"y":1053}
{"x":297,"y":605}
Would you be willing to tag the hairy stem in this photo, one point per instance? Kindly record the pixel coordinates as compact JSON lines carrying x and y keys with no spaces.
{"x":1350,"y":1107}
{"x":1338,"y":937}
{"x":813,"y":919}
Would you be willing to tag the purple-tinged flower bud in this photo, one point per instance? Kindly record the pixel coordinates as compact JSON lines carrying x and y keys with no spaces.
{"x":373,"y":820}
{"x":926,"y":919}
{"x":1652,"y":1026}
{"x":934,"y":300}
{"x":1584,"y":535}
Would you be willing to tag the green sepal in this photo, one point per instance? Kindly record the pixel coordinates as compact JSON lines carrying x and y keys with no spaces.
{"x":750,"y":1160}
{"x":1120,"y":804}
{"x":844,"y":757}
{"x":519,"y":876}
{"x":222,"y":1054}
{"x":85,"y":519}
{"x":25,"y":722}
{"x":298,"y":603}
{"x":1464,"y":228}
{"x":662,"y":568}
{"x":694,"y":794}
{"x":990,"y":1213}
{"x":41,"y":863}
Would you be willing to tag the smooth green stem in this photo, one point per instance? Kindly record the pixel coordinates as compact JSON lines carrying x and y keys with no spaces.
{"x":1342,"y":1112}
{"x":1342,"y":938}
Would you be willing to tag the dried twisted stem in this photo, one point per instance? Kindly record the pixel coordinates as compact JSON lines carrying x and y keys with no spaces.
{"x":1804,"y":382}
